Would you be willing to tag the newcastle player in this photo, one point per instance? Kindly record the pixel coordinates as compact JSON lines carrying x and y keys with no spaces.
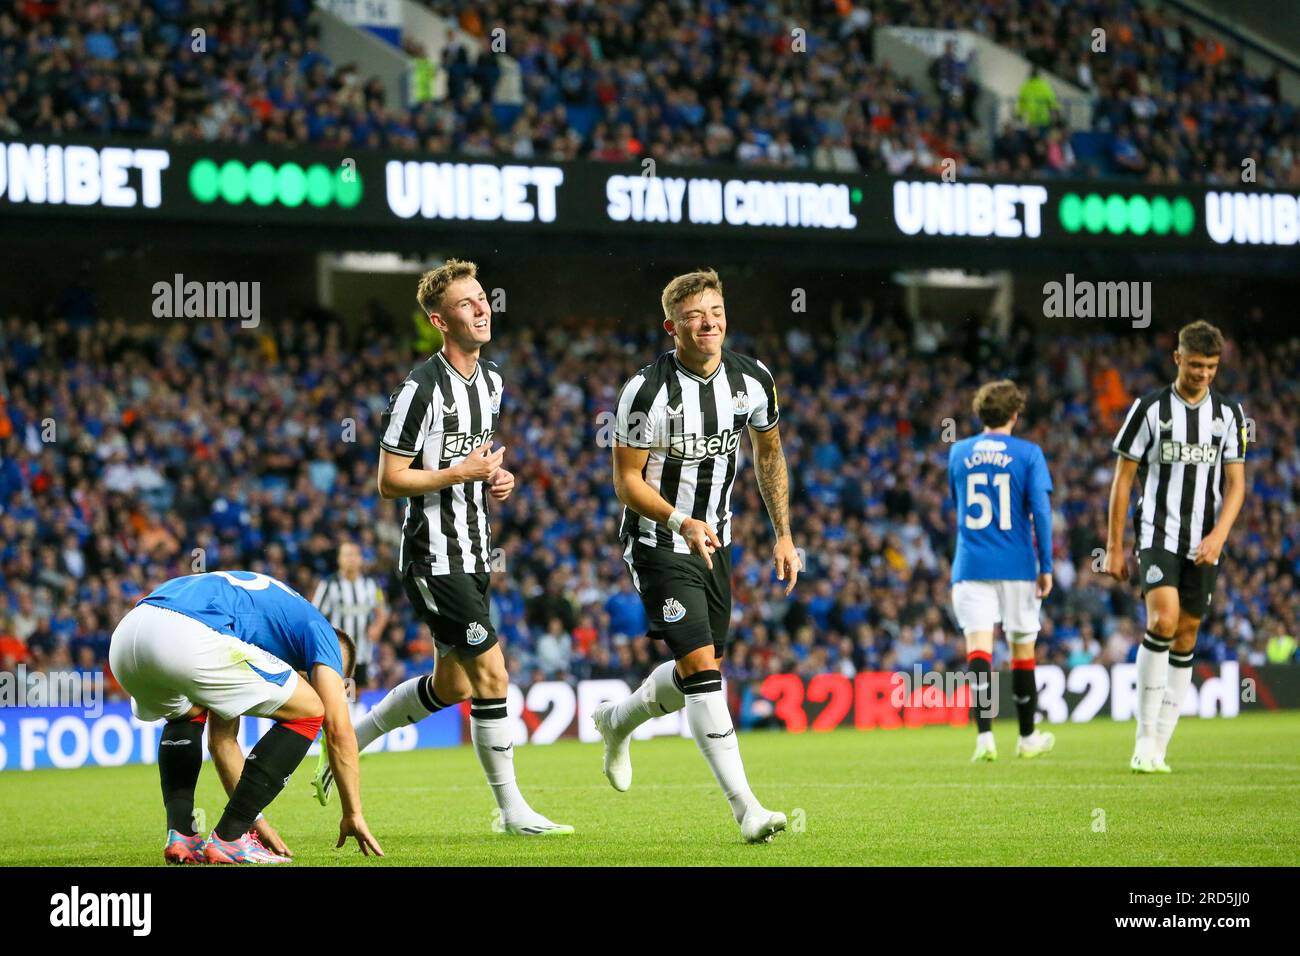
{"x":435,"y":451}
{"x":354,"y":603}
{"x":1186,"y":448}
{"x":679,"y":424}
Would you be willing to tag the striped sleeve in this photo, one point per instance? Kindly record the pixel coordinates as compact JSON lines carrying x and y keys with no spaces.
{"x":320,"y":598}
{"x":1134,"y":436}
{"x":402,"y":427}
{"x":634,"y":426}
{"x":1234,"y":442}
{"x":767,"y":412}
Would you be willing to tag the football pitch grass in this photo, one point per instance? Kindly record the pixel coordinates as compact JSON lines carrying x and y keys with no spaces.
{"x":901,"y":797}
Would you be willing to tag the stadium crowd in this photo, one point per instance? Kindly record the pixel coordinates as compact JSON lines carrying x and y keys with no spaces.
{"x":756,"y":84}
{"x":131,"y":454}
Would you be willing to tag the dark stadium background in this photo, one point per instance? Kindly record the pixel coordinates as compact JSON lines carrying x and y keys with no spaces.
{"x":183,"y":434}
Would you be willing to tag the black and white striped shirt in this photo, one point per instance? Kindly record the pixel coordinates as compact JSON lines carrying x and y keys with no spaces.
{"x":1180,"y":450}
{"x":350,"y":606}
{"x":438,"y":417}
{"x":692,"y":427}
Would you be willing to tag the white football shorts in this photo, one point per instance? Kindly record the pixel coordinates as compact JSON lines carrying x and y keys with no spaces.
{"x":981,"y":604}
{"x":168,"y":662}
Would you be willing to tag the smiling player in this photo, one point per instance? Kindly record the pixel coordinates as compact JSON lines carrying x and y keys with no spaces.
{"x":436,"y":451}
{"x":1186,"y":448}
{"x":680,"y":422}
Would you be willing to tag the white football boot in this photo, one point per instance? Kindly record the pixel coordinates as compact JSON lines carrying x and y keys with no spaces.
{"x":1036,"y":744}
{"x":986,"y":751}
{"x":1144,"y":756}
{"x":535,"y":825}
{"x":618,"y":762}
{"x":759,"y":825}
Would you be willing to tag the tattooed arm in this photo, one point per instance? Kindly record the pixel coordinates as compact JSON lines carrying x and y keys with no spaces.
{"x":774,"y":486}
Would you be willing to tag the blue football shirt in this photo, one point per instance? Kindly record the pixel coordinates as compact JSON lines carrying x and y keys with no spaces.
{"x":259,"y":610}
{"x":1000,"y":484}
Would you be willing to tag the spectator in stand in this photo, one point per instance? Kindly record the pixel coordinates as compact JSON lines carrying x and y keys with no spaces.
{"x":554,"y":650}
{"x":607,"y":81}
{"x":1111,"y":397}
{"x":1036,"y":103}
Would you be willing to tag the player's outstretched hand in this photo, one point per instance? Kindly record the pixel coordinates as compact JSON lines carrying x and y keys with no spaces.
{"x":1116,"y":566}
{"x":502,"y":483}
{"x":482,"y":463}
{"x":786,"y":558}
{"x":270,"y":839}
{"x":701,"y":539}
{"x":355,"y":826}
{"x":1044,"y":586}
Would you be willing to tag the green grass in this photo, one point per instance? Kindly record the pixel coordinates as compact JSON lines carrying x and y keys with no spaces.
{"x":903,"y":797}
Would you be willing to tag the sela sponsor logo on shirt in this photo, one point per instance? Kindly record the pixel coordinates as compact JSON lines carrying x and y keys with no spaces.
{"x":76,"y":909}
{"x":988,"y":451}
{"x":457,"y":444}
{"x":673,"y":611}
{"x":1181,"y":453}
{"x":475,"y":634}
{"x":690,"y":446}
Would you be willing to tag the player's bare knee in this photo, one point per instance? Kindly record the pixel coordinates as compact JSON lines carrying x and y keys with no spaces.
{"x":1163,"y":623}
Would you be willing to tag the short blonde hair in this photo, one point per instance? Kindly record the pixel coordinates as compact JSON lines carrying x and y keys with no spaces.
{"x":433,"y":284}
{"x":685,"y":286}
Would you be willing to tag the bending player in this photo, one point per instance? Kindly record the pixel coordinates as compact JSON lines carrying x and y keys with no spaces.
{"x":229,"y":643}
{"x":1003,"y":566}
